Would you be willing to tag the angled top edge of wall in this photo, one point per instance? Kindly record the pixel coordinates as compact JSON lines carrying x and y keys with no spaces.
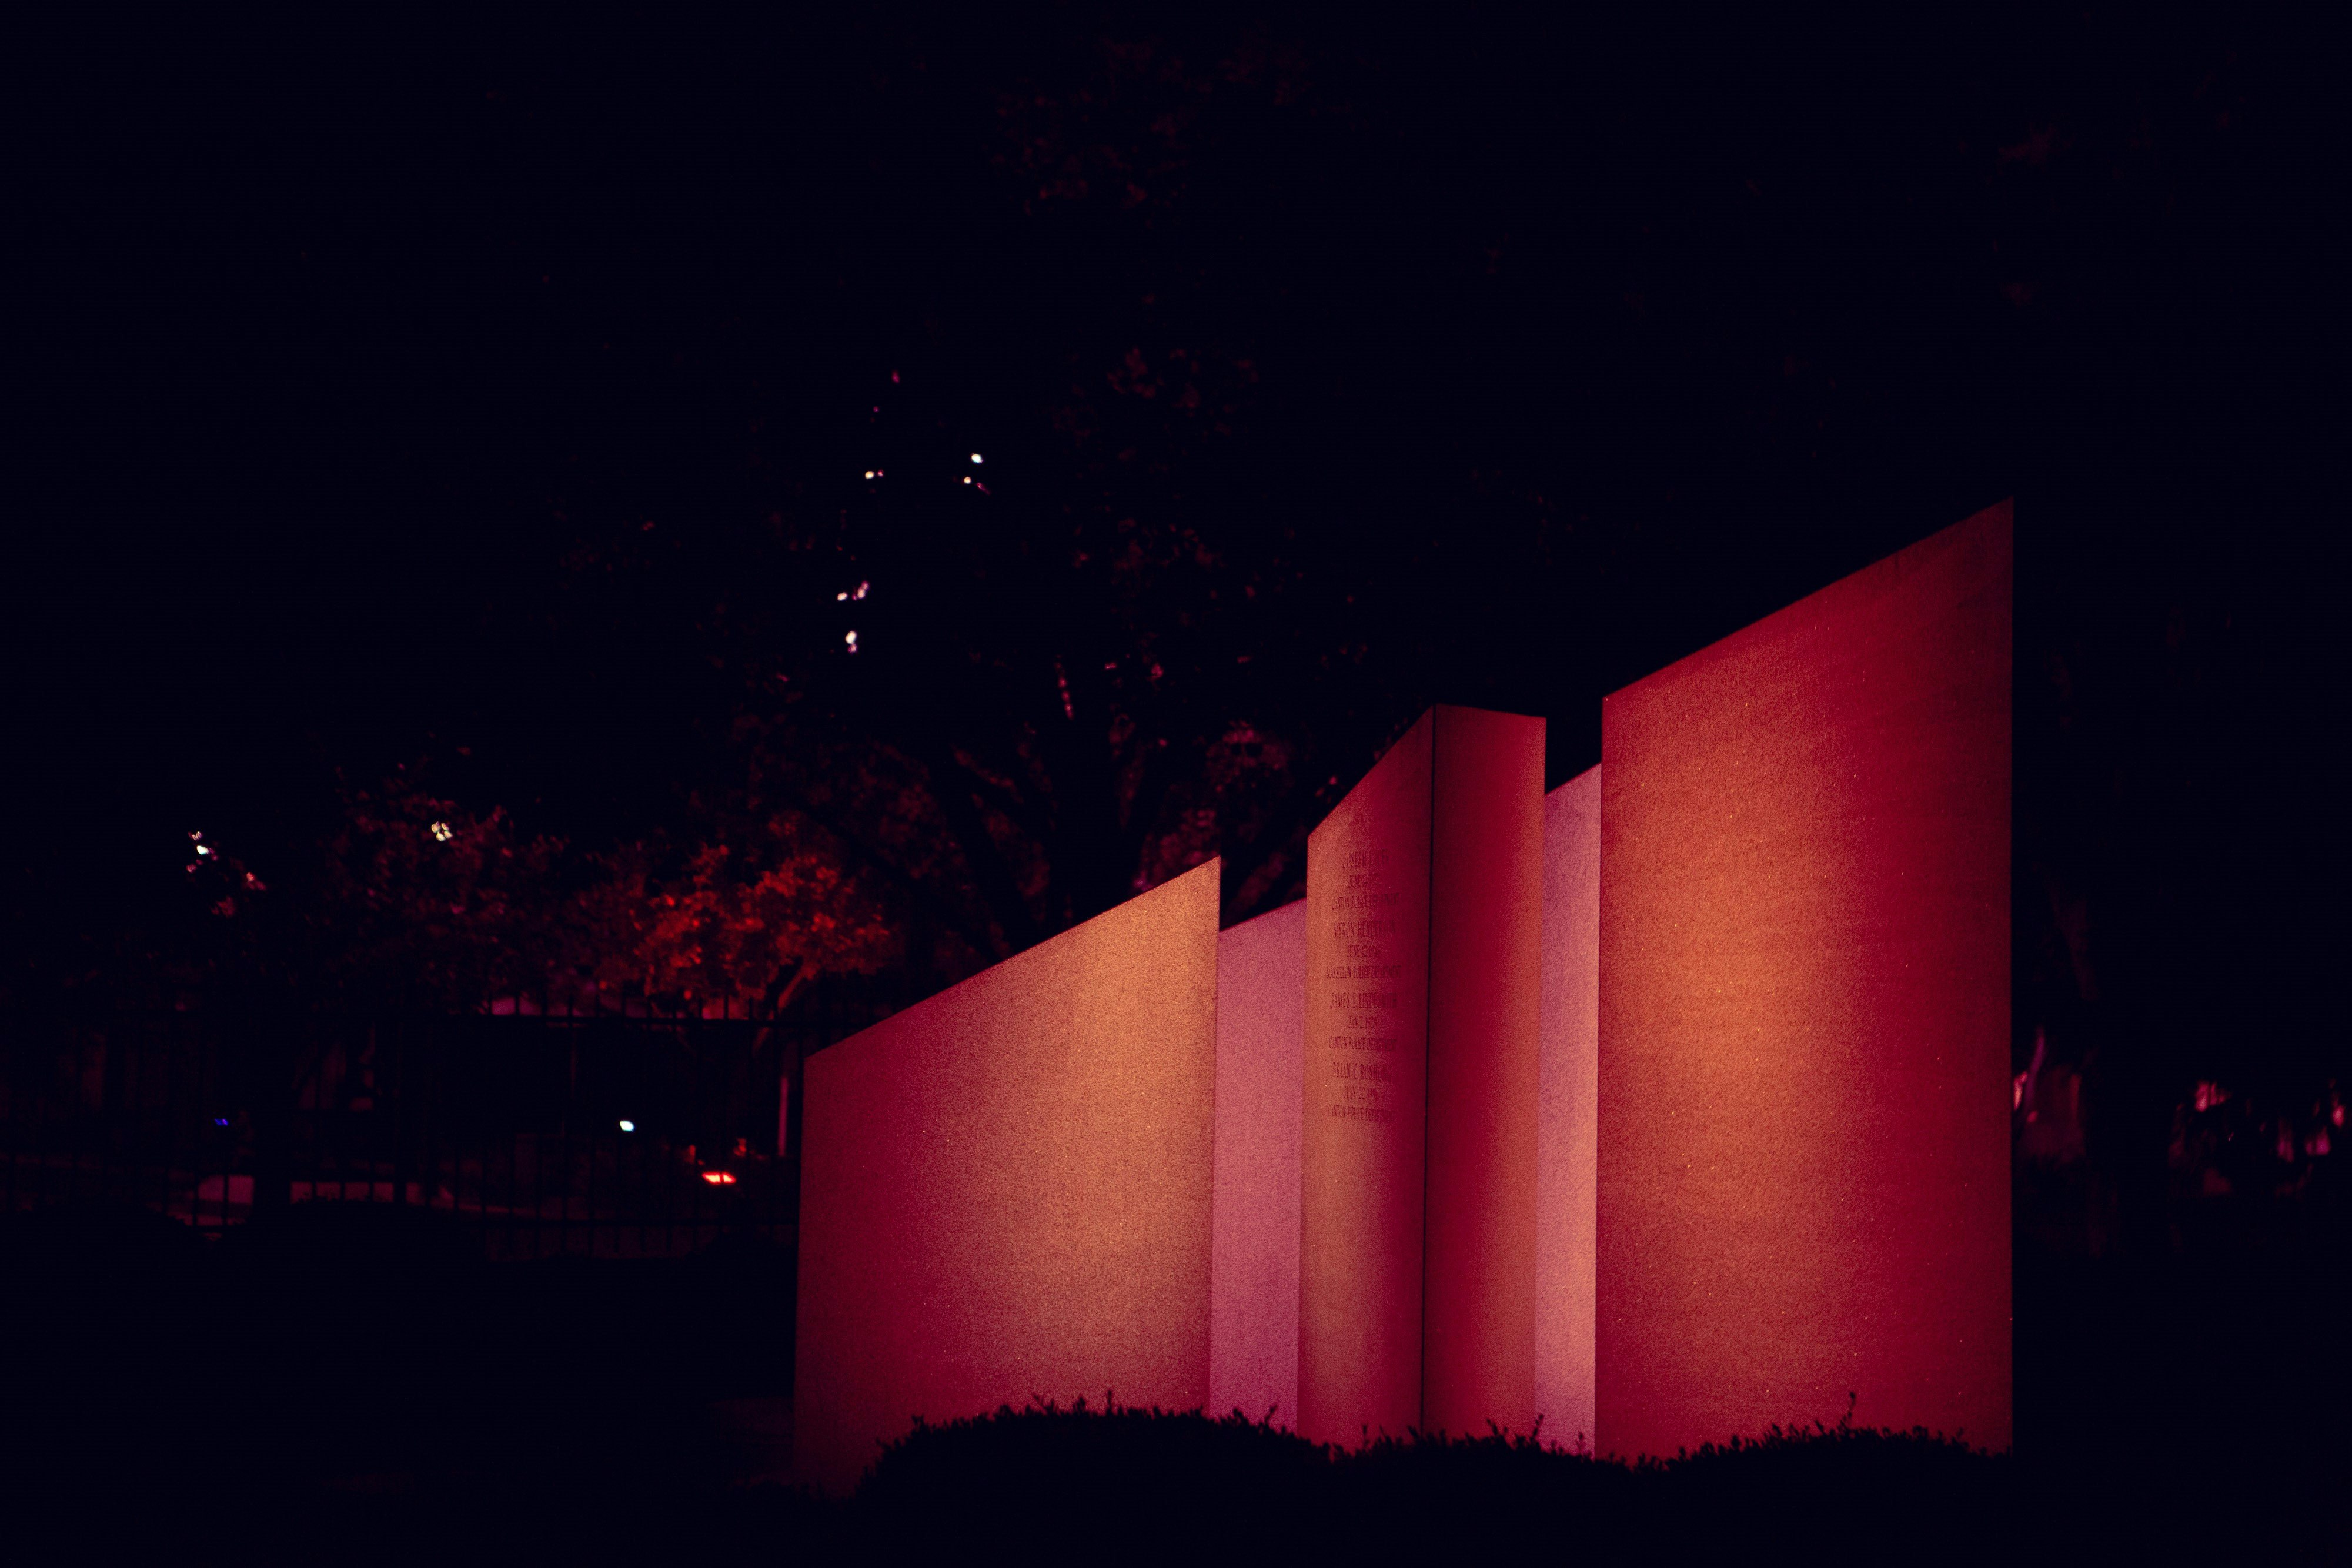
{"x":1876,"y":578}
{"x":994,"y":973}
{"x":1428,"y":717}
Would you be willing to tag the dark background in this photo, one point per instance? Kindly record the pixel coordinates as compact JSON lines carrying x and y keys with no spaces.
{"x":1563,"y":357}
{"x":1528,"y":361}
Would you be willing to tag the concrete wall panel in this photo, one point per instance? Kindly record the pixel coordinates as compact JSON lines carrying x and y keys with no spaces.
{"x":1568,"y":1134}
{"x":1803,"y":1152}
{"x":1254,"y":1278}
{"x":1006,"y":1188}
{"x":1424,"y":944}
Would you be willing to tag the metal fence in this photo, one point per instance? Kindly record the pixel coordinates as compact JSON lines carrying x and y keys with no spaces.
{"x":600,"y":1135}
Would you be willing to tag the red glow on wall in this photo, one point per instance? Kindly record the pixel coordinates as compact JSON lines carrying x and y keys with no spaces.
{"x":1417,"y":1202}
{"x":1568,"y":1129}
{"x":1006,"y":1188}
{"x":1803,"y":1159}
{"x":1254,"y":1275}
{"x":1362,"y":1160}
{"x":1486,"y":967}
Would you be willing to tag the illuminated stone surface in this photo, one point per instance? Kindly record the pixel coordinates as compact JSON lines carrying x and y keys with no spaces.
{"x":1667,"y":1106}
{"x":1803,"y":1152}
{"x":1253,"y":1279}
{"x":1568,"y":1130}
{"x":1006,"y":1188}
{"x":1418,"y":1194}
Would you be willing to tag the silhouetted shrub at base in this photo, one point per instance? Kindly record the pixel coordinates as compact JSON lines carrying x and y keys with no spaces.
{"x":1118,"y":1469}
{"x":1157,"y":1482}
{"x":1049,"y":1483}
{"x":1842,"y":1491}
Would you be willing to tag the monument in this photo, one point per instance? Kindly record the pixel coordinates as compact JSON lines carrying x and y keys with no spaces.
{"x":1666,"y":1107}
{"x":1568,"y":1129}
{"x":1254,"y":1273}
{"x":1006,"y":1189}
{"x":1803,"y":1139}
{"x":1417,"y":1287}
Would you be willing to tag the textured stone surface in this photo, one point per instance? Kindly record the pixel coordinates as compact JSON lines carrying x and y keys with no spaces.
{"x":1006,"y":1188}
{"x":1804,"y":1154}
{"x":1253,"y":1279}
{"x":1569,"y":1131}
{"x":1423,"y":946}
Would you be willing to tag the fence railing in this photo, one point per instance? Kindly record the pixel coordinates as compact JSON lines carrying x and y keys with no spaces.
{"x":606,"y":1134}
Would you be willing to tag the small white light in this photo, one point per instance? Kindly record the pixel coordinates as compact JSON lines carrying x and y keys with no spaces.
{"x":842,"y":597}
{"x":860,"y":592}
{"x":967,"y":478}
{"x":852,"y":640}
{"x":203,"y":850}
{"x":869,"y":472}
{"x":441,"y":834}
{"x":976,"y":457}
{"x":627,"y":1126}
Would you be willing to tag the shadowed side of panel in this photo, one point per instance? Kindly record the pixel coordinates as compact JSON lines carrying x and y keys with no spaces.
{"x":1803,"y":1158}
{"x":1362,"y":1142}
{"x":1006,"y":1188}
{"x":1486,"y":957}
{"x":1253,"y":1274}
{"x":1570,"y":1126}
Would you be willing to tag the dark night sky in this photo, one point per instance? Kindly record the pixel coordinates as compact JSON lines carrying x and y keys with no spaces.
{"x":323,"y":349}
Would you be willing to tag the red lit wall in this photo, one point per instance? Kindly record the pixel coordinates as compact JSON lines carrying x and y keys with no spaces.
{"x":1006,"y":1188}
{"x":1418,"y":1222}
{"x":1362,"y":1139}
{"x":1254,"y":1270}
{"x":1568,"y":1131}
{"x":1803,"y":1152}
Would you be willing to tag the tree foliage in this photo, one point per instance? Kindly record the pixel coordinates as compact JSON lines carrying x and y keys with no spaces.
{"x":1320,"y":372}
{"x":425,"y":904}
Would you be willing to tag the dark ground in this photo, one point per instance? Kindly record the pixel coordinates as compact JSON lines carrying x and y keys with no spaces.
{"x":358,"y":1386}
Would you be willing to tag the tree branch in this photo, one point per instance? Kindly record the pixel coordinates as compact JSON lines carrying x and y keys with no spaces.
{"x":1284,"y":826}
{"x":920,"y":891}
{"x":961,"y":806}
